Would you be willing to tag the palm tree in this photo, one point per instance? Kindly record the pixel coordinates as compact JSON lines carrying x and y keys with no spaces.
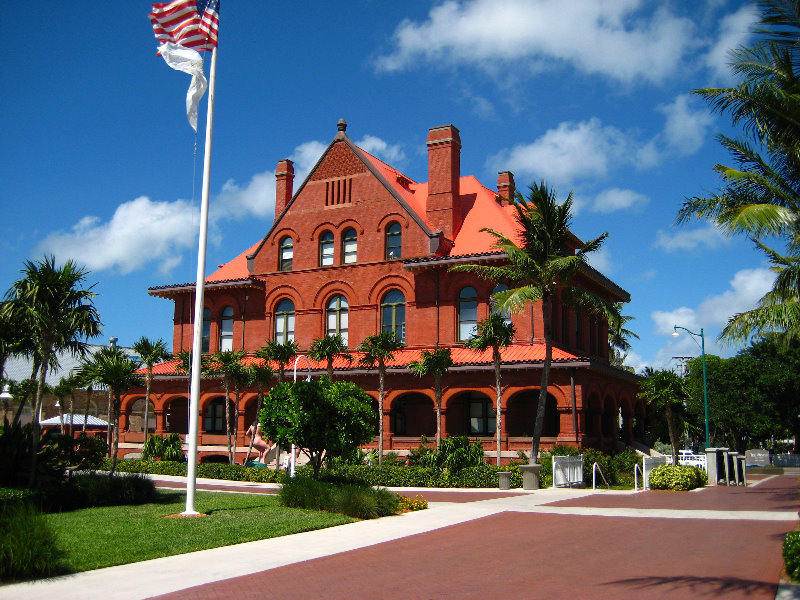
{"x":378,"y":349}
{"x":281,"y":354}
{"x":619,"y":336}
{"x":435,"y":364}
{"x":327,"y":348}
{"x":116,"y":370}
{"x":227,"y":365}
{"x":760,"y":198}
{"x":58,"y":313}
{"x":261,"y":376}
{"x":665,"y":391}
{"x":150,"y":352}
{"x":495,"y":332}
{"x":61,"y":390}
{"x":543,"y":268}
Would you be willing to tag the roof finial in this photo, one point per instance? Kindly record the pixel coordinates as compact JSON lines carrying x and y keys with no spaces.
{"x":342,"y":125}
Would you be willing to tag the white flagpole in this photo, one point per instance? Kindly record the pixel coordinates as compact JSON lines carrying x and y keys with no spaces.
{"x":197,"y":343}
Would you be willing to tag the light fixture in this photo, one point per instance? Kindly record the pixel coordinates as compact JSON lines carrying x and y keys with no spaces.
{"x":702,"y":337}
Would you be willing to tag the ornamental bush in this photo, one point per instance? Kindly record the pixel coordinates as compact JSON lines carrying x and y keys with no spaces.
{"x":677,"y":477}
{"x":27,"y":546}
{"x":354,"y":500}
{"x":791,"y":554}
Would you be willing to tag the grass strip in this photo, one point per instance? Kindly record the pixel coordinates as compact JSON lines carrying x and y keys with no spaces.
{"x":92,"y":538}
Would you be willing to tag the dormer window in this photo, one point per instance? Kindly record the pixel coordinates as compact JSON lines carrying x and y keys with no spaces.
{"x":394,"y":241}
{"x":285,"y":254}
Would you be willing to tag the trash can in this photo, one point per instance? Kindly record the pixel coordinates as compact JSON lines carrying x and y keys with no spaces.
{"x":505,"y":480}
{"x":530,"y":476}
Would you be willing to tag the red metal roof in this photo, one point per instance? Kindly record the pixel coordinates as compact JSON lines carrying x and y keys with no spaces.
{"x":521,"y":353}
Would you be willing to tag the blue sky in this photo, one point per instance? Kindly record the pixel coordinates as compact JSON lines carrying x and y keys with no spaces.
{"x":97,"y":158}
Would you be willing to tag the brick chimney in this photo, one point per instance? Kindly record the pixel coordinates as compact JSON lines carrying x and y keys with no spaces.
{"x":284,"y":180}
{"x":444,"y":170}
{"x":505,"y":187}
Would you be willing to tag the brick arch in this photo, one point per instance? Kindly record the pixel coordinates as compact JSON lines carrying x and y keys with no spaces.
{"x":520,"y":415}
{"x":129,"y":401}
{"x":277,"y":236}
{"x":390,"y":282}
{"x":277,"y":294}
{"x":458,"y":415}
{"x":344,"y":224}
{"x":388,"y":218}
{"x":413,"y":414}
{"x":321,"y":228}
{"x":333,"y":287}
{"x":223,"y":300}
{"x":176,"y":413}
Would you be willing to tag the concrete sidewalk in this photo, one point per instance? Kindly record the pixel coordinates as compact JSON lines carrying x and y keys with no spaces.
{"x":716,"y":542}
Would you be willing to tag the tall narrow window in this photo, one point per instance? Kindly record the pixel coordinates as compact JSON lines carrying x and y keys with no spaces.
{"x":393,"y":314}
{"x":500,"y":287}
{"x":214,"y":421}
{"x":226,"y":329}
{"x":285,"y":254}
{"x":349,"y":246}
{"x":467,"y":313}
{"x":394,"y":241}
{"x":482,"y":420}
{"x":206,"y":340}
{"x":578,"y":330}
{"x":326,"y":249}
{"x":336,"y":316}
{"x":284,"y":321}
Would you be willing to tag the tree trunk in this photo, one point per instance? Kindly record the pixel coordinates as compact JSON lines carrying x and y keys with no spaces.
{"x":237,"y":396}
{"x":381,"y":373}
{"x":71,"y":413}
{"x":110,"y":419}
{"x":498,"y":417}
{"x":148,"y":383}
{"x":37,"y":408}
{"x":330,"y":369}
{"x":228,"y":421}
{"x":89,"y":392}
{"x":671,"y":430}
{"x":61,"y":415}
{"x":548,"y":358}
{"x":437,"y":393}
{"x":115,"y":440}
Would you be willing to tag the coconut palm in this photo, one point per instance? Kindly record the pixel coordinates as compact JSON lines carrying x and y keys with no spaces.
{"x":542,"y":268}
{"x":619,"y":336}
{"x":58,"y":313}
{"x":61,"y":390}
{"x":150,"y":352}
{"x":495,"y":332}
{"x":281,"y":354}
{"x":227,"y":365}
{"x":665,"y":391}
{"x":378,"y":349}
{"x":114,"y":369}
{"x":436,"y":364}
{"x":327,"y":348}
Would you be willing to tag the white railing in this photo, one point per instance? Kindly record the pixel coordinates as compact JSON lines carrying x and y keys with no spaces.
{"x":595,"y":469}
{"x":648,"y":464}
{"x":567,"y":470}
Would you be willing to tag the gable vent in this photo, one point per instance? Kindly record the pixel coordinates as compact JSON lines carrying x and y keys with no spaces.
{"x":338,"y":191}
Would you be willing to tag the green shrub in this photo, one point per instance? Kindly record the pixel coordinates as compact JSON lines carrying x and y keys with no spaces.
{"x":27,"y":546}
{"x":791,"y":554}
{"x":164,"y":448}
{"x":354,"y":500}
{"x":677,"y":477}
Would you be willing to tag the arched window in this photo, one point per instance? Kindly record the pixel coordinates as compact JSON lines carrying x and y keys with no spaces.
{"x":500,"y":287}
{"x":136,"y":422}
{"x":284,"y":321}
{"x":285,"y":254}
{"x":393,"y":314}
{"x":482,"y":417}
{"x":226,"y":329}
{"x":206,"y":340}
{"x":326,"y":249}
{"x":467,"y":313}
{"x":394,"y":241}
{"x":214,"y":419}
{"x":336,"y":316}
{"x":349,"y":246}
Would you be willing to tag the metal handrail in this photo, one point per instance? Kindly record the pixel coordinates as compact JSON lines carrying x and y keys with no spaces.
{"x":636,"y":472}
{"x":595,"y":469}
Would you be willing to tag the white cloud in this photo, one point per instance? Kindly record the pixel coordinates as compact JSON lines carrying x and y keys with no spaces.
{"x":734,"y":30}
{"x":391,"y":154}
{"x":616,"y":39}
{"x":139,"y":232}
{"x":572,"y":150}
{"x":601,"y":260}
{"x":685,"y":129}
{"x":615,"y":199}
{"x":305,"y":156}
{"x":257,"y":198}
{"x":690,"y":239}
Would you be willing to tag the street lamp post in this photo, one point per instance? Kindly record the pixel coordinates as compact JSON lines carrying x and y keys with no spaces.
{"x":702,"y":337}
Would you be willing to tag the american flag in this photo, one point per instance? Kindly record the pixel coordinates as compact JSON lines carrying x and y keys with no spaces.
{"x":189,"y":23}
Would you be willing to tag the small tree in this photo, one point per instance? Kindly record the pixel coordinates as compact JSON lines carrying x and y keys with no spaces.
{"x":378,"y":349}
{"x":435,"y":364}
{"x":261,"y":376}
{"x":327,"y":348}
{"x":227,"y":365}
{"x":150,"y":352}
{"x":323,"y":418}
{"x":281,"y":354}
{"x":495,"y":332}
{"x":664,"y":391}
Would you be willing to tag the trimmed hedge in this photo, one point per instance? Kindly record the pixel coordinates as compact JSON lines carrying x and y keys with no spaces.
{"x":206,"y":470}
{"x":677,"y":477}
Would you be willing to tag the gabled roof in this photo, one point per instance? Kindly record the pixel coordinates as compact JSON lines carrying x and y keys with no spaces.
{"x":18,"y":368}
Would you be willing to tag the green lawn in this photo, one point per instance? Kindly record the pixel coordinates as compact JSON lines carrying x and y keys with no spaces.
{"x":103,"y":537}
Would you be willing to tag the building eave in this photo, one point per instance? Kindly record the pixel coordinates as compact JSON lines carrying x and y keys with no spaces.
{"x":170,"y":291}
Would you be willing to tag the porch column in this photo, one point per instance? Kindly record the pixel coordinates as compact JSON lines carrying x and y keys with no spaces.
{"x":161,"y":422}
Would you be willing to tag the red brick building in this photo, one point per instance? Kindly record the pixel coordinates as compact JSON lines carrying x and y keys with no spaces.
{"x":359,"y":247}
